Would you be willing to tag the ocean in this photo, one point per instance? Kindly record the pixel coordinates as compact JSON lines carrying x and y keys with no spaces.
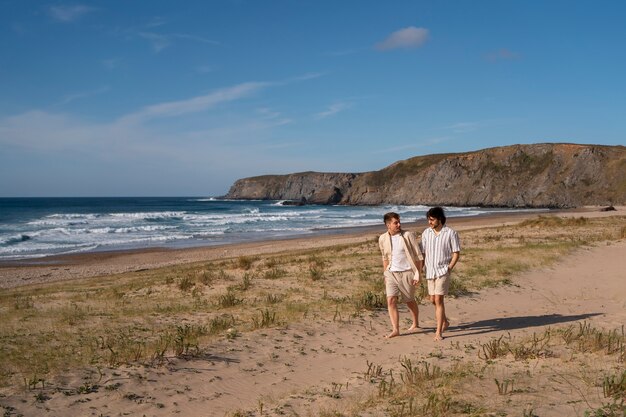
{"x":39,"y":227}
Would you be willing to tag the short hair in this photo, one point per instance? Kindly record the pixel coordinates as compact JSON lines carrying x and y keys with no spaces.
{"x":389,"y":216}
{"x":437,"y":213}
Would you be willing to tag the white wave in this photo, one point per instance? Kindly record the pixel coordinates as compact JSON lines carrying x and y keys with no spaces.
{"x":48,"y":252}
{"x":71,"y":216}
{"x":15,"y":239}
{"x":282,"y":230}
{"x":235,"y":219}
{"x":133,"y":229}
{"x":211,"y":233}
{"x":150,"y":215}
{"x":44,"y":222}
{"x":41,"y":247}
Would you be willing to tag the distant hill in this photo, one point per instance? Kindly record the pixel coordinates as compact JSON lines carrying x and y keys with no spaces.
{"x":539,"y":175}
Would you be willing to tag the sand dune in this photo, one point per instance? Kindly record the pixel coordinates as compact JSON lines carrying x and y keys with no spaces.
{"x":313,"y":367}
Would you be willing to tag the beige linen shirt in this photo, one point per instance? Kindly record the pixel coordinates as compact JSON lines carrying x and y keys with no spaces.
{"x":411,"y":247}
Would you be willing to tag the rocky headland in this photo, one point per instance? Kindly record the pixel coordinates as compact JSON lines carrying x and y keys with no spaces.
{"x":538,"y":175}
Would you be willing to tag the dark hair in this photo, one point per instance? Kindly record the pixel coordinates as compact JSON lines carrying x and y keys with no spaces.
{"x":437,"y":213}
{"x":391,"y":215}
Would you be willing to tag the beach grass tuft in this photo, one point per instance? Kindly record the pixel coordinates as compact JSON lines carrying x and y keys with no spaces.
{"x":266,"y":318}
{"x":245,"y":262}
{"x":145,"y":317}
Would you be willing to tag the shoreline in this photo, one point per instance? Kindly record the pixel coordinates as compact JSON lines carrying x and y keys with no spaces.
{"x":100,"y":341}
{"x":17,"y":273}
{"x":163,"y":242}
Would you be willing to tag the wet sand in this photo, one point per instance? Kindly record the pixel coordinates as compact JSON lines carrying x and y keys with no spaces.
{"x":94,"y":264}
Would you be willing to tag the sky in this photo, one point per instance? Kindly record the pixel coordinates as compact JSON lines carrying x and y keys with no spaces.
{"x":164,"y":98}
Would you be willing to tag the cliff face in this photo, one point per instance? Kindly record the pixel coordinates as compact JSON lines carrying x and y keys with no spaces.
{"x":542,"y":175}
{"x":311,"y":187}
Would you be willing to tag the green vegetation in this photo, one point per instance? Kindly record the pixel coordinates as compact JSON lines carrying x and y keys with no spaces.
{"x":147,"y":316}
{"x":401,"y":169}
{"x":500,"y":384}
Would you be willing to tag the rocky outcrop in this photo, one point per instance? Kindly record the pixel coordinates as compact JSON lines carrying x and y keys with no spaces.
{"x":309,"y":187}
{"x":541,"y":175}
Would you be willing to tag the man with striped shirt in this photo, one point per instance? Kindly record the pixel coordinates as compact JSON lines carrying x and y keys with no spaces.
{"x":441,"y":248}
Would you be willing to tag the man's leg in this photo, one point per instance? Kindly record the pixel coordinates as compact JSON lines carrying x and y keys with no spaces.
{"x":412,"y":305}
{"x":440,"y":314}
{"x":394,"y":316}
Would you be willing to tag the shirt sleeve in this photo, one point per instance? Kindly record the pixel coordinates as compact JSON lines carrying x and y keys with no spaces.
{"x":381,"y":246}
{"x":417,"y":247}
{"x":455,"y":243}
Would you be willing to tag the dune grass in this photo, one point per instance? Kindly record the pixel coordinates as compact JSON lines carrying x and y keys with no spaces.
{"x":504,"y":381}
{"x":147,"y":316}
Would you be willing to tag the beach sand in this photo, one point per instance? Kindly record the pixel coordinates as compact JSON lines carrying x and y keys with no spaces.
{"x":321,"y":367}
{"x":93,"y":264}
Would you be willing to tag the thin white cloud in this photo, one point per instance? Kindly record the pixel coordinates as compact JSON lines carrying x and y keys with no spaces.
{"x":194,"y":38}
{"x":18,"y":28}
{"x":132,"y":145}
{"x":67,"y":13}
{"x":204,"y":69}
{"x":111,"y":63}
{"x":284,"y":145}
{"x":155,"y":21}
{"x":42,"y":131}
{"x":83,"y":94}
{"x":160,"y":41}
{"x":410,"y":37}
{"x":267,"y":113}
{"x":463,"y":127}
{"x":195,"y":104}
{"x":38,"y":130}
{"x":502,"y":54}
{"x":303,"y":77}
{"x":333,"y":109}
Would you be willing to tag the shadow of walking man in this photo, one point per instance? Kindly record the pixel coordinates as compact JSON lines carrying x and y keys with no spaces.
{"x":513,"y":323}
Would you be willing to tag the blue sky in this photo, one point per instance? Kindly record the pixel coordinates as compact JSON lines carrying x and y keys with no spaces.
{"x":164,"y":98}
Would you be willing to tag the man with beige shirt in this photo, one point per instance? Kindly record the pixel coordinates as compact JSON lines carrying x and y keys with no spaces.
{"x":402,"y":263}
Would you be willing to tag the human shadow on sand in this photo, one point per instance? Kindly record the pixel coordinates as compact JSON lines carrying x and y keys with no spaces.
{"x":512,"y":323}
{"x":199,"y":362}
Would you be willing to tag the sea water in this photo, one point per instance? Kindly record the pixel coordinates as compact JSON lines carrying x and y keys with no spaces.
{"x":39,"y":227}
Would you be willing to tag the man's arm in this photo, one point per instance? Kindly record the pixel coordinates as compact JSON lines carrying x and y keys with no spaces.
{"x":416,"y":251}
{"x":454,"y":260}
{"x":381,"y":246}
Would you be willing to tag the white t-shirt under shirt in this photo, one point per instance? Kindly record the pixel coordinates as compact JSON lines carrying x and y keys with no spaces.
{"x":399,"y":261}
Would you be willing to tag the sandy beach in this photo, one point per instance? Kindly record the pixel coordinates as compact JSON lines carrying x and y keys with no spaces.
{"x":59,"y":268}
{"x":339,"y":364}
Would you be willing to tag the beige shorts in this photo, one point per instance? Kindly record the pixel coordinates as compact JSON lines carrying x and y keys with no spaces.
{"x":439,"y":285}
{"x":400,"y":284}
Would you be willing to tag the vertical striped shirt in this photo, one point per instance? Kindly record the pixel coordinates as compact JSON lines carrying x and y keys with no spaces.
{"x":438,"y":250}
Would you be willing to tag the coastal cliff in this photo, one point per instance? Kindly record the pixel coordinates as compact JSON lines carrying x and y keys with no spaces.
{"x":539,"y":175}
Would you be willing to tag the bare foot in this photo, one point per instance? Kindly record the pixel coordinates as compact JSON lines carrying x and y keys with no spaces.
{"x":438,"y":338}
{"x":392,"y":334}
{"x":413,"y":328}
{"x":446,"y":324}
